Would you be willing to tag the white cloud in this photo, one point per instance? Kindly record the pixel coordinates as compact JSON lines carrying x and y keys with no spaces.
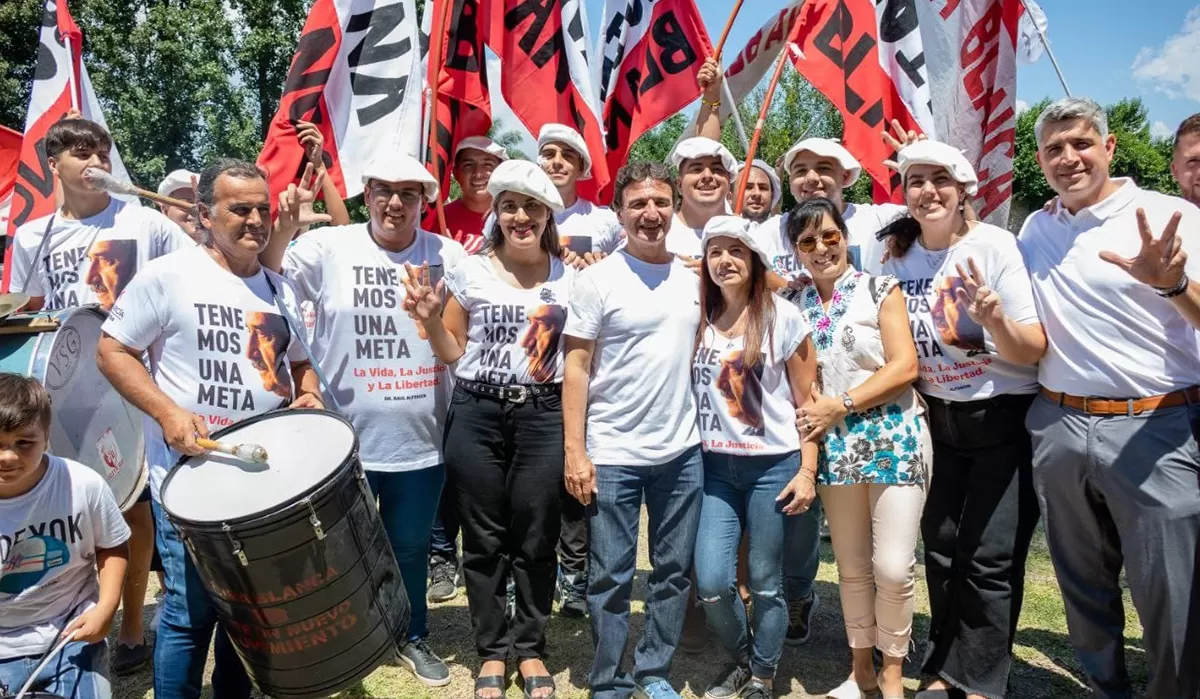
{"x":503,"y":113}
{"x":1172,"y":67}
{"x":1160,"y":130}
{"x":1022,"y":106}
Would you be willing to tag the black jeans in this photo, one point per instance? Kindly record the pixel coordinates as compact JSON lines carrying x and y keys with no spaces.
{"x":507,"y":461}
{"x":980,"y":515}
{"x":573,"y":542}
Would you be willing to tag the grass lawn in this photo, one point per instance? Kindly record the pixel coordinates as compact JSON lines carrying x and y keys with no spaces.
{"x":1045,"y":664}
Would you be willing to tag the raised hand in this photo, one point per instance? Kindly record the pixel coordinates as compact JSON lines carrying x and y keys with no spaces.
{"x":423,"y":302}
{"x":314,"y":143}
{"x":710,"y":77}
{"x":1160,"y":263}
{"x":296,"y":202}
{"x":982,"y":303}
{"x":899,"y":141}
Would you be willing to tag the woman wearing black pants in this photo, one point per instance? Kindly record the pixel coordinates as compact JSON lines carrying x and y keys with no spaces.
{"x":501,"y":330}
{"x":978,"y":340}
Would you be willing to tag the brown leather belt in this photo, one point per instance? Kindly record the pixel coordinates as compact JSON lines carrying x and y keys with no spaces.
{"x":1129,"y":406}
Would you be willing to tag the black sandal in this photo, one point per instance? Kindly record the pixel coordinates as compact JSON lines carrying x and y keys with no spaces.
{"x":499,"y":682}
{"x":532,"y":684}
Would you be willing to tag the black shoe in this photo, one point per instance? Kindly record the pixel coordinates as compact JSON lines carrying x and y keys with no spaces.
{"x":442,"y":573}
{"x":757,"y":690}
{"x":572,"y":597}
{"x":424,"y":663}
{"x":127,"y":660}
{"x":730,"y":683}
{"x":800,"y":614}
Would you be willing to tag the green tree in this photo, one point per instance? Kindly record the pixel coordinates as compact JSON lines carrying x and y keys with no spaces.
{"x":20,"y":21}
{"x":656,"y":144}
{"x":267,"y":31}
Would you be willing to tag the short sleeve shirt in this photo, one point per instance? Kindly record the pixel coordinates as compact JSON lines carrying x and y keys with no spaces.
{"x":864,"y":221}
{"x":465,"y":226}
{"x":585,"y":227}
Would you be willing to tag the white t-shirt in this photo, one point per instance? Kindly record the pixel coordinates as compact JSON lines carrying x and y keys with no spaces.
{"x":385,"y":376}
{"x":48,"y":542}
{"x":1109,"y":335}
{"x":91,"y":260}
{"x":749,"y":411}
{"x":514,"y":336}
{"x":863,"y":221}
{"x":643,"y":317}
{"x":958,"y":360}
{"x":684,"y":240}
{"x":218,"y":346}
{"x":585,"y":227}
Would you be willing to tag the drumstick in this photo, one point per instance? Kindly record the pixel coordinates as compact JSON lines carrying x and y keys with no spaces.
{"x":105,"y":181}
{"x":53,"y":650}
{"x":250,"y":453}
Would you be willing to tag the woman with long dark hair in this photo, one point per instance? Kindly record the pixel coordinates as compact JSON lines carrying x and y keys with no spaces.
{"x":978,"y":343}
{"x":875,"y":463}
{"x":754,"y":365}
{"x":501,"y":329}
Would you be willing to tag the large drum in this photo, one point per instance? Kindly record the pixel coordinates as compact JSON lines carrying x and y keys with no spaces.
{"x":293,"y":553}
{"x":92,"y":423}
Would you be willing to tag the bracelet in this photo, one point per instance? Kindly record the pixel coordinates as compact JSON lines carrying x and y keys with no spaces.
{"x":1176,"y":290}
{"x":711,"y":105}
{"x":812,"y":475}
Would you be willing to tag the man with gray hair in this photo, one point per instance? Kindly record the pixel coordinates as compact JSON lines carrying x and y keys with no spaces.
{"x":1115,"y":453}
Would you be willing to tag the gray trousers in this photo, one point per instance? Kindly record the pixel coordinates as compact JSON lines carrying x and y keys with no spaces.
{"x":1124,"y":490}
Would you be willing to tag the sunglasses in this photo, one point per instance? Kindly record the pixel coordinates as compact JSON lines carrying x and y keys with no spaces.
{"x":829,"y":239}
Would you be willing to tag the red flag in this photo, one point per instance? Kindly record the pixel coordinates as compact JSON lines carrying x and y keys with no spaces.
{"x":651,"y":55}
{"x":458,"y":66}
{"x":542,"y":43}
{"x":10,"y":155}
{"x":839,"y":55}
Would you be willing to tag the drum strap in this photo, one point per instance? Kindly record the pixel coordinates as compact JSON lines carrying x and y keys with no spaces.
{"x":33,"y":264}
{"x":302,"y":337}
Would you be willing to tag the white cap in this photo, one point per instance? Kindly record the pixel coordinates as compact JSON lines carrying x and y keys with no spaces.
{"x":826,"y":148}
{"x":700,"y":147}
{"x":524,"y":177}
{"x":482,"y":143}
{"x":561,"y":133}
{"x":401,"y":168}
{"x":776,"y":187}
{"x":938,"y":153}
{"x":734,"y":227}
{"x":177,"y":179}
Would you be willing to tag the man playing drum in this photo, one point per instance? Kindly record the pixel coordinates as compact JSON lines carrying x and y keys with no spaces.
{"x":84,"y":253}
{"x":200,"y":313}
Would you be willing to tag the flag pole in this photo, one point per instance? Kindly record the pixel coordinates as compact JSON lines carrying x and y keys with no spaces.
{"x":71,"y":83}
{"x":436,"y":58}
{"x":1049,"y":51}
{"x":744,"y":179}
{"x":737,"y":7}
{"x":737,"y":117}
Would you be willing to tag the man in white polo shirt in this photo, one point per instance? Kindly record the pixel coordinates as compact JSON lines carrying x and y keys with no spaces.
{"x":627,"y":386}
{"x":1116,"y":461}
{"x":587,"y":231}
{"x":706,"y":172}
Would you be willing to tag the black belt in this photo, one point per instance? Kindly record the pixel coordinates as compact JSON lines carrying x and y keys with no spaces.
{"x":513,"y":393}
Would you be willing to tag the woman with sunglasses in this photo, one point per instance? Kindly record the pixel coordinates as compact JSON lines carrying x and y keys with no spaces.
{"x":978,"y":343}
{"x":754,"y":364}
{"x":501,"y":329}
{"x":876,"y":456}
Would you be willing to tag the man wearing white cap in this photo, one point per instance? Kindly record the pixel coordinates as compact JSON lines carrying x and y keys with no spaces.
{"x":763,"y":192}
{"x":706,"y":171}
{"x":1115,"y":460}
{"x":363,"y":339}
{"x":588,"y":232}
{"x":474,"y":159}
{"x":178,"y":185}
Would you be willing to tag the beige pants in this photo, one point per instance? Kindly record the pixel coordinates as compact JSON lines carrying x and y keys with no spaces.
{"x":874,"y":532}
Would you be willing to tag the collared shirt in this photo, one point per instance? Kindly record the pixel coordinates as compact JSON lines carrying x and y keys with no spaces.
{"x":1109,"y":335}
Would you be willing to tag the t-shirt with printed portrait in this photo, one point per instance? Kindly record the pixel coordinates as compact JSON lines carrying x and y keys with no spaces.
{"x":217,"y":343}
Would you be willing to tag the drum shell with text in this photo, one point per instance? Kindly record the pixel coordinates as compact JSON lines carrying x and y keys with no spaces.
{"x":307,"y":588}
{"x":91,"y":423}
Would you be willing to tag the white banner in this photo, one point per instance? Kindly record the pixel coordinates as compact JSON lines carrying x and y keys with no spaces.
{"x":751,"y":64}
{"x":902,"y":55}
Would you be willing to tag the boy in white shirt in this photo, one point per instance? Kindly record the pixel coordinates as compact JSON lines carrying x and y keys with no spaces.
{"x":587,"y":232}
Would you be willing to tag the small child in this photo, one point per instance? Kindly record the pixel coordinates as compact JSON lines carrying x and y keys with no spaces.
{"x":59,"y":523}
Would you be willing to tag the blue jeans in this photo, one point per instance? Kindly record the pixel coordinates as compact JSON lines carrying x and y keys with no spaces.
{"x":79,"y":671}
{"x":673,"y":492}
{"x":186,"y":628}
{"x":802,"y":542}
{"x":408,"y":501}
{"x":739,"y":495}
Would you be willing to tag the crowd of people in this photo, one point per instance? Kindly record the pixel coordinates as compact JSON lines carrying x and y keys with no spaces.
{"x":904,"y":372}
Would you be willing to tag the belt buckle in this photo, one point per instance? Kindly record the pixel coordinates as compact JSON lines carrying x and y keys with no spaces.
{"x":522,"y":395}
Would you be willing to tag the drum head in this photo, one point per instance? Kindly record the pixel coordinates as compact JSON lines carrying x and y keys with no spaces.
{"x":11,"y":303}
{"x":303,"y":448}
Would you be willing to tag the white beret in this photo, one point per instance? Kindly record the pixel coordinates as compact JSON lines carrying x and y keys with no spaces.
{"x":944,"y":155}
{"x":561,"y":133}
{"x":401,"y":168}
{"x":524,"y":177}
{"x":700,"y":147}
{"x":826,"y":148}
{"x":178,"y":179}
{"x":734,"y":227}
{"x":776,"y":187}
{"x":484,"y":144}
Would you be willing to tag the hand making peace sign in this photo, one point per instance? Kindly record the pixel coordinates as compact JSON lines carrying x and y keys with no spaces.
{"x":982,"y":302}
{"x":423,"y":302}
{"x":1160,"y":263}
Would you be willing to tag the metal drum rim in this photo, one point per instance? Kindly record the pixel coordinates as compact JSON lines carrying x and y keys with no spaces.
{"x":280,"y":509}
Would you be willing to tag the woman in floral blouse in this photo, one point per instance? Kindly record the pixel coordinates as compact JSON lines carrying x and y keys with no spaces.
{"x":875,"y":464}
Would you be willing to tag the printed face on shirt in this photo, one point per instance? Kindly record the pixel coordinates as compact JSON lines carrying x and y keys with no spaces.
{"x":184,"y":218}
{"x":239,"y":218}
{"x":546,"y":324}
{"x":756,"y":205}
{"x":647,"y":208}
{"x":815,"y":176}
{"x":267,"y":349}
{"x":1186,"y":167}
{"x":562,"y":163}
{"x":932,"y":194}
{"x":114,"y":263}
{"x":395,"y":208}
{"x":472,"y":170}
{"x":704,"y":181}
{"x":522,"y":220}
{"x":1075,"y":160}
{"x":741,"y":387}
{"x":70,"y":164}
{"x":949,"y":315}
{"x":21,"y":453}
{"x":827,"y":256}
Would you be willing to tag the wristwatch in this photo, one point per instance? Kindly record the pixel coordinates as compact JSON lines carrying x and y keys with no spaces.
{"x":847,"y":402}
